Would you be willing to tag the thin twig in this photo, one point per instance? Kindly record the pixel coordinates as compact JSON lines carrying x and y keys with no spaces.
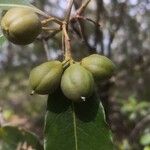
{"x":98,"y":39}
{"x":85,"y":38}
{"x":52,"y":34}
{"x":46,"y":49}
{"x":56,"y":20}
{"x":63,"y":44}
{"x":140,"y":126}
{"x":47,"y":29}
{"x":79,"y":19}
{"x":67,"y":17}
{"x":82,"y":8}
{"x":88,"y":19}
{"x":45,"y":21}
{"x":67,"y":42}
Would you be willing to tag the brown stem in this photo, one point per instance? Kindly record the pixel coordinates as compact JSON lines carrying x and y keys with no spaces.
{"x":47,"y":29}
{"x":88,"y":19}
{"x":85,"y":38}
{"x":98,"y":38}
{"x":69,"y":11}
{"x":66,"y":42}
{"x":54,"y":19}
{"x":79,"y":18}
{"x":63,"y":43}
{"x":82,"y":8}
{"x":66,"y":39}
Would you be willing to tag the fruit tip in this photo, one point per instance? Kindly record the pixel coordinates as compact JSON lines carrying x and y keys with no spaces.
{"x":83,"y":98}
{"x":32,"y":92}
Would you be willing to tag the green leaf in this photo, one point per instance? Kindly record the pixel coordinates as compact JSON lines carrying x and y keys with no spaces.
{"x":7,"y":4}
{"x":13,"y":138}
{"x":2,"y":39}
{"x":79,"y":126}
{"x":145,"y":139}
{"x":146,"y":148}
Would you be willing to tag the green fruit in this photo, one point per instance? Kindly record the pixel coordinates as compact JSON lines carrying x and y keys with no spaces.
{"x":45,"y":78}
{"x":21,"y":25}
{"x":100,"y":66}
{"x":77,"y":83}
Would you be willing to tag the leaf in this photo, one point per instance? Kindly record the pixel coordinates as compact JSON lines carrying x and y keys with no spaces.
{"x":7,"y":4}
{"x":79,"y":126}
{"x":145,"y":139}
{"x":2,"y":39}
{"x":146,"y":148}
{"x":13,"y":138}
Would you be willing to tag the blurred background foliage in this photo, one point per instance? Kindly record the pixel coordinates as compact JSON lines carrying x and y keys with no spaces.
{"x":124,"y":36}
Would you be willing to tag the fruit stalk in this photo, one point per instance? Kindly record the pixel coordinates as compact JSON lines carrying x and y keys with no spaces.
{"x":66,"y":39}
{"x":67,"y":44}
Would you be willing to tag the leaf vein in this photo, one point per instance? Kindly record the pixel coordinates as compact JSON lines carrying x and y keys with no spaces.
{"x":75,"y":127}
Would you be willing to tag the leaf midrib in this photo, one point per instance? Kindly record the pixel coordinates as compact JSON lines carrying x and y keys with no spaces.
{"x":75,"y":127}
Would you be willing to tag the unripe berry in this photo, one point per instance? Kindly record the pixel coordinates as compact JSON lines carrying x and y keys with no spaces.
{"x":100,"y":66}
{"x":77,"y":83}
{"x":21,"y":25}
{"x":45,"y":78}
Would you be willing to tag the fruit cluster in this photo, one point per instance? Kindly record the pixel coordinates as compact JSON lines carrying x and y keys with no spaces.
{"x":77,"y":80}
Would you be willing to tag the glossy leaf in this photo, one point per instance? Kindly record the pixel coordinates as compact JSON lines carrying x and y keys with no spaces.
{"x":13,"y":138}
{"x":76,"y":126}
